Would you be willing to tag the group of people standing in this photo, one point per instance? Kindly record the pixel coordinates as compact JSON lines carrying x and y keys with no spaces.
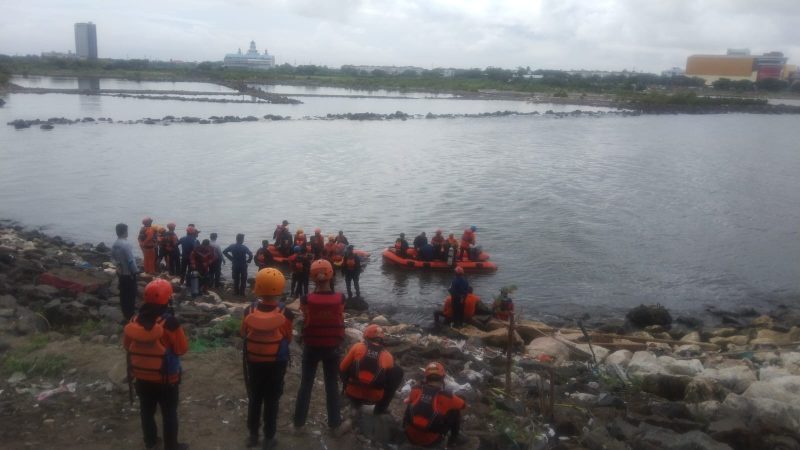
{"x":155,"y":340}
{"x":440,"y":248}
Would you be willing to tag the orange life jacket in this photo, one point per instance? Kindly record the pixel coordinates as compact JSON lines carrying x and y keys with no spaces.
{"x":324,"y":319}
{"x":426,"y":411}
{"x":504,"y":308}
{"x":366,"y":375}
{"x":147,"y":237}
{"x":169,"y":241}
{"x":264,"y":336}
{"x":350,"y":262}
{"x":147,"y":355}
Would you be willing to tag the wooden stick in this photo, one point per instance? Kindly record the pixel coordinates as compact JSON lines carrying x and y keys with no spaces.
{"x":508,"y":353}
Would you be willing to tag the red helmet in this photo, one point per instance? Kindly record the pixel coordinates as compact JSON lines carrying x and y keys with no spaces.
{"x":459,"y":270}
{"x":317,"y":231}
{"x":438,"y":231}
{"x":171,"y":225}
{"x":373,"y":332}
{"x":434,"y":369}
{"x":158,"y":292}
{"x":147,"y":221}
{"x":321,"y":270}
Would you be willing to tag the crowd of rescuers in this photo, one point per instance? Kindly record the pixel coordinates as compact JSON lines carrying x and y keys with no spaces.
{"x":155,"y":340}
{"x":440,"y":248}
{"x":189,"y":257}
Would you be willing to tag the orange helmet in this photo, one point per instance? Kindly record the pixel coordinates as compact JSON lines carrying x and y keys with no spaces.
{"x":158,"y":292}
{"x":317,"y":231}
{"x":147,"y":221}
{"x":269,"y":282}
{"x":171,"y":225}
{"x":459,"y":270}
{"x":434,"y":369}
{"x":373,"y":332}
{"x":321,"y":270}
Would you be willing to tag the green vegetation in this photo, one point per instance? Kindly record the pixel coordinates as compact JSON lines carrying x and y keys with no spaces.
{"x":23,"y":360}
{"x":88,"y":327}
{"x":682,"y":99}
{"x":215,"y":337}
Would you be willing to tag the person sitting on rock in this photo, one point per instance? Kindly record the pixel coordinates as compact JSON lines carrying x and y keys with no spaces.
{"x":368,"y":372}
{"x":432,"y":412}
{"x":470,"y":305}
{"x":503,"y":306}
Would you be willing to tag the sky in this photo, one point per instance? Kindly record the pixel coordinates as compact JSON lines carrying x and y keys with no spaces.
{"x":642,"y":35}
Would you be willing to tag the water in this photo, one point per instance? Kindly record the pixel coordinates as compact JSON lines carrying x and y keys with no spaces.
{"x":582,"y":214}
{"x":115,"y":83}
{"x":290,"y":90}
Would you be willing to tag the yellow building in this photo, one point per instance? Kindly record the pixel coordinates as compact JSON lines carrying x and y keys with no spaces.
{"x":713,"y":67}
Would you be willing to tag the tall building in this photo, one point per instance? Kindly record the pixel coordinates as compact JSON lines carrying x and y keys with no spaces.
{"x":250,"y":60}
{"x":86,"y":41}
{"x":737,"y":64}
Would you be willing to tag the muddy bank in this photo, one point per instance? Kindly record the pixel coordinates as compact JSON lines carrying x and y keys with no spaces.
{"x":646,"y":380}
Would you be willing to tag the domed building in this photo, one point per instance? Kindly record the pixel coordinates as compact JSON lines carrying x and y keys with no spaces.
{"x":250,"y":60}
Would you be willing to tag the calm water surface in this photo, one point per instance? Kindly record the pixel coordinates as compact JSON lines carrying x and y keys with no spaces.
{"x":582,"y":214}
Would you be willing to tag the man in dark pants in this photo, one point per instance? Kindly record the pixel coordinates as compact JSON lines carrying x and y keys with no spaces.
{"x":267,"y":330}
{"x":216,"y":268}
{"x":187,"y":245}
{"x":240,"y":257}
{"x":459,"y":289}
{"x":323,"y":333}
{"x":156,"y":368}
{"x":299,"y":263}
{"x":351,"y":266}
{"x":122,"y":255}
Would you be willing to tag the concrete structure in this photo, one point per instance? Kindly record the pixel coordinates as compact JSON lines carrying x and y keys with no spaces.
{"x":737,"y":64}
{"x":250,"y":60}
{"x":86,"y":41}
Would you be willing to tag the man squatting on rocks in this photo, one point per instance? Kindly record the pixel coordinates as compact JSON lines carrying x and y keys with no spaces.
{"x":154,"y":340}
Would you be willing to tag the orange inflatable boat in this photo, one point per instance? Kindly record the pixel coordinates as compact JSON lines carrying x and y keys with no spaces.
{"x":482,"y":265}
{"x":337,"y":261}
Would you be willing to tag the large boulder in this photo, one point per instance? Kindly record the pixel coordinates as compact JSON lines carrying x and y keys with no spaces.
{"x":670,"y":387}
{"x":735,"y":377}
{"x":646,"y":315}
{"x":553,"y":348}
{"x":620,"y":357}
{"x":662,"y":438}
{"x":75,"y":280}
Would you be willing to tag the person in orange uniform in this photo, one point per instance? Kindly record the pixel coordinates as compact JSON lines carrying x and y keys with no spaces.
{"x":351,"y":267}
{"x":317,"y":243}
{"x":267,"y":331}
{"x":468,"y":240}
{"x":329,"y":251}
{"x":169,"y":247}
{"x":470,"y":307}
{"x":437,"y":241}
{"x":202,"y":259}
{"x":300,"y":264}
{"x":368,"y":372}
{"x":263,"y":257}
{"x":147,"y":242}
{"x":300,"y":238}
{"x":451,"y":244}
{"x":323,"y":334}
{"x":154,"y":340}
{"x":503,"y":306}
{"x":432,"y":412}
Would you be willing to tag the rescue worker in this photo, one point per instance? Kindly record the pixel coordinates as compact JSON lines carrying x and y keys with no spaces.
{"x":323,"y":333}
{"x":459,"y":288}
{"x":263,"y":256}
{"x":317,"y":243}
{"x":503,"y":306}
{"x":154,"y":340}
{"x":329,"y":251}
{"x":471,"y":302}
{"x":300,"y":264}
{"x":240,"y":257}
{"x":401,"y":246}
{"x":420,"y":241}
{"x":437,"y":241}
{"x":432,"y":412}
{"x":468,"y":241}
{"x":267,"y":332}
{"x":202,"y":260}
{"x":122,"y":256}
{"x":351,"y":267}
{"x":148,"y":242}
{"x":159,"y":238}
{"x":451,"y":246}
{"x":283,"y":238}
{"x":300,"y":238}
{"x":187,"y":245}
{"x":169,"y":247}
{"x":216,"y":269}
{"x":341,"y":238}
{"x":368,"y":372}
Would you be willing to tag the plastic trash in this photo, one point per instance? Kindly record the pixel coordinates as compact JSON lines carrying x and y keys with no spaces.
{"x":69,"y":387}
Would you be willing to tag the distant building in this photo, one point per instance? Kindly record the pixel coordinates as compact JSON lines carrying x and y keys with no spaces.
{"x":390,"y":70}
{"x":737,"y":64}
{"x":86,"y":41}
{"x":673,"y":72}
{"x":250,"y":60}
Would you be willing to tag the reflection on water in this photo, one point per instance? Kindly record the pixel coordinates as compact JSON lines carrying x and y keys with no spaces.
{"x":88,"y":83}
{"x":116,"y":83}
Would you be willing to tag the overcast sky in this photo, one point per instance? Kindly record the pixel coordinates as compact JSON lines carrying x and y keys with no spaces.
{"x":649,"y":35}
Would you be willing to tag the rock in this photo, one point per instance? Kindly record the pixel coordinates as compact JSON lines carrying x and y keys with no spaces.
{"x":621,"y":430}
{"x":723,"y":332}
{"x":99,"y":339}
{"x":732,"y":430}
{"x":8,"y":301}
{"x":75,"y":280}
{"x":689,"y":350}
{"x":598,"y":438}
{"x":620,"y":357}
{"x":769,"y":337}
{"x":568,"y":421}
{"x":111,"y":313}
{"x":674,"y":366}
{"x":654,"y":437}
{"x":379,"y":428}
{"x":771,"y":372}
{"x":600,"y":353}
{"x":353,"y":335}
{"x":762,"y":322}
{"x":704,"y":411}
{"x":692,"y":336}
{"x":670,"y":387}
{"x":736,"y":378}
{"x":7,"y":313}
{"x":582,"y":397}
{"x":791,"y":362}
{"x":548,"y":346}
{"x":118,"y":373}
{"x":16,"y":377}
{"x":380,"y":320}
{"x":356,"y":304}
{"x":643,"y":316}
{"x":495,"y":338}
{"x":702,"y":389}
{"x":531,"y":329}
{"x":643,"y":363}
{"x":605,"y":400}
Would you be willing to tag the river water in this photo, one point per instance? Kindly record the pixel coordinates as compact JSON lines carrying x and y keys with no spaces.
{"x":583,"y":214}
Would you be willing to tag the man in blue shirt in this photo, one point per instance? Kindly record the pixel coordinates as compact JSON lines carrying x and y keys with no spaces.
{"x":122,"y":256}
{"x":187,"y":245}
{"x":240,"y":257}
{"x":458,"y":290}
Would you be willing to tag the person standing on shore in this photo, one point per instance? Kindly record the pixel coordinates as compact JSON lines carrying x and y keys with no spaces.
{"x":459,"y":289}
{"x":299,"y":263}
{"x":202,"y":260}
{"x":240,"y":257}
{"x":169,"y":246}
{"x":148,"y":242}
{"x":267,"y":332}
{"x":216,"y":269}
{"x":351,"y":267}
{"x":155,"y":340}
{"x":187,"y":245}
{"x":263,"y":256}
{"x":122,"y":256}
{"x":323,"y":333}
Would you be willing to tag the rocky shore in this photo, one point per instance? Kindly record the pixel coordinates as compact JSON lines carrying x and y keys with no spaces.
{"x":642,"y":382}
